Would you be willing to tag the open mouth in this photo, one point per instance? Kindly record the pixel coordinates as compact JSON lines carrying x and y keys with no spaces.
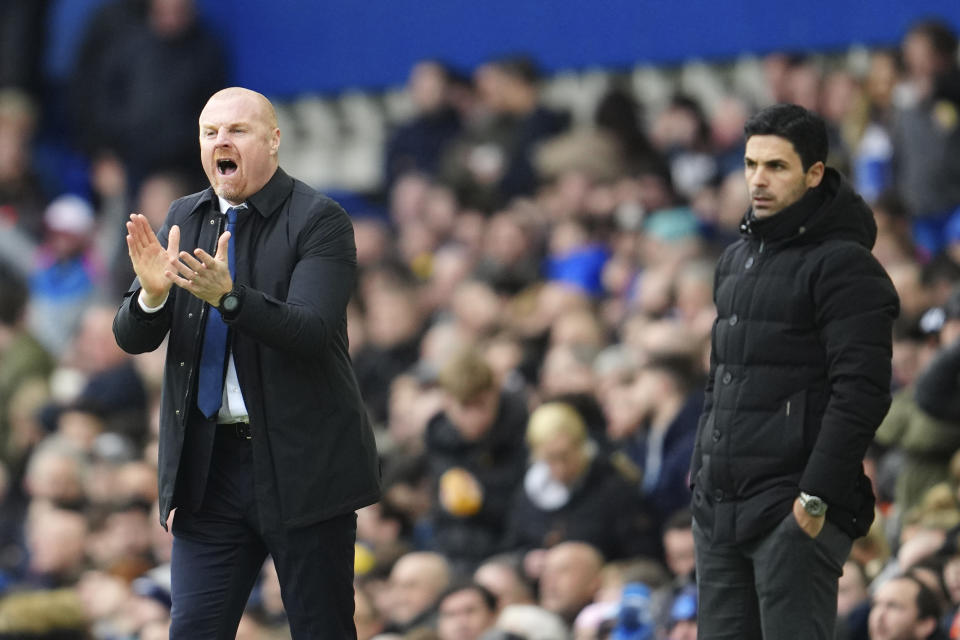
{"x":226,"y":167}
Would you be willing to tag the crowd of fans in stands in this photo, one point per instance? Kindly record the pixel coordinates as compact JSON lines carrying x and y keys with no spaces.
{"x":530,"y":332}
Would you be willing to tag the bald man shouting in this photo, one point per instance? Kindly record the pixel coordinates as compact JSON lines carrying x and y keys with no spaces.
{"x":265,"y":447}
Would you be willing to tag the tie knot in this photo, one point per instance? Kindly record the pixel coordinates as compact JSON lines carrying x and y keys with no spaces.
{"x":232,"y":214}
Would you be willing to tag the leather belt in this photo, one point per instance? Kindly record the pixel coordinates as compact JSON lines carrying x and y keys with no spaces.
{"x":239,"y":430}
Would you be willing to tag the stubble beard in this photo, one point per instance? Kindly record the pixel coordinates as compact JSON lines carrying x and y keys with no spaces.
{"x":226,"y":192}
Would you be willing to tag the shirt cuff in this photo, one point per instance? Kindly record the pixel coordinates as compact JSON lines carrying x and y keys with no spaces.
{"x":147,"y":309}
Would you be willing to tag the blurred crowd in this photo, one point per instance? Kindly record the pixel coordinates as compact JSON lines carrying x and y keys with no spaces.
{"x":530,"y":331}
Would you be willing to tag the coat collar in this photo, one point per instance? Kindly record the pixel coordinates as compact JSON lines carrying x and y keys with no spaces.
{"x":831,"y":210}
{"x":265,"y":202}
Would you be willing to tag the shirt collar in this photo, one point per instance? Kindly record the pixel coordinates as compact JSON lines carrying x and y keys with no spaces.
{"x":265,"y":202}
{"x":224,"y":205}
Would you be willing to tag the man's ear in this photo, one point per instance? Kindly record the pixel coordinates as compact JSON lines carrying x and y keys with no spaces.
{"x":925,"y":627}
{"x":814,"y":174}
{"x":275,"y":143}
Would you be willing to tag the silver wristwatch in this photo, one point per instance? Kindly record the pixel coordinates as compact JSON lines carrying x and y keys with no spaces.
{"x":813,"y":505}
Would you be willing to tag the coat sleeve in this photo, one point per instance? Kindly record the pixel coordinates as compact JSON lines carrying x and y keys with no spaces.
{"x":939,"y":383}
{"x":855,"y":306}
{"x":321,"y":284}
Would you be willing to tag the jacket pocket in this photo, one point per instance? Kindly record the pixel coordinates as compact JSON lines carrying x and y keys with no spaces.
{"x":794,"y":413}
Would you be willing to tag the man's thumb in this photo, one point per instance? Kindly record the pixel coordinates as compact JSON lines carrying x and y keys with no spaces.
{"x":223,"y":245}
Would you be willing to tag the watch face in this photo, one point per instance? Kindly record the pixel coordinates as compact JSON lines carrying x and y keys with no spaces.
{"x":815,"y":506}
{"x":230,"y":302}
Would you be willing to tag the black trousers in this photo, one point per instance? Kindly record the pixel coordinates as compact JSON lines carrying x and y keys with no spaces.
{"x":782,"y":586}
{"x":219,"y":550}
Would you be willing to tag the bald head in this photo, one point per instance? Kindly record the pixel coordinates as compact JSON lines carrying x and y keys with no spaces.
{"x":242,"y":93}
{"x":239,"y":142}
{"x":570,"y":579}
{"x":416,"y":582}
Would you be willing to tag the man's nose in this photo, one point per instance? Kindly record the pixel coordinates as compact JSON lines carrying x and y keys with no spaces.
{"x":758,"y":178}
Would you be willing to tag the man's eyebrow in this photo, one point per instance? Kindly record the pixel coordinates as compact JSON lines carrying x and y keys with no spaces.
{"x":775,"y":160}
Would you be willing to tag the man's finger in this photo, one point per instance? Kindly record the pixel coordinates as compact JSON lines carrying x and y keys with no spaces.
{"x":134,"y":232}
{"x":173,"y":241}
{"x":223,"y":245}
{"x":186,"y":270}
{"x":143,"y":229}
{"x":191,"y":263}
{"x":204,"y":257}
{"x":177,"y":279}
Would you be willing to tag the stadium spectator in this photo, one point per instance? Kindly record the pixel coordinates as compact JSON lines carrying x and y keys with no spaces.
{"x":928,"y":174}
{"x":569,"y":579}
{"x":572,"y":492}
{"x":393,"y":329}
{"x":491,"y":161}
{"x":153,"y":198}
{"x":56,"y":540}
{"x":925,"y":442}
{"x":853,"y":602}
{"x":620,"y":115}
{"x":67,"y":274}
{"x":116,"y":94}
{"x":24,"y":362}
{"x":417,"y":581}
{"x":22,"y":198}
{"x":936,"y":384}
{"x":503,"y":576}
{"x":682,"y":134}
{"x":678,"y":548}
{"x":683,"y":616}
{"x":476,"y":457}
{"x":530,"y":622}
{"x":365,"y":615}
{"x":418,"y":144}
{"x":667,"y":406}
{"x":465,"y":612}
{"x":904,"y":607}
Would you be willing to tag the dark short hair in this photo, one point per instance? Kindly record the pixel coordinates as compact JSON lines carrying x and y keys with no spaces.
{"x":520,"y":66}
{"x":489,"y":600}
{"x":805,"y":130}
{"x":942,"y":38}
{"x":681,"y":519}
{"x":928,"y":606}
{"x":679,"y":367}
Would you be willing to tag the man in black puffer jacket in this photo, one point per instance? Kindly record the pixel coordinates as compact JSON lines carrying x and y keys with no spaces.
{"x":799,"y":381}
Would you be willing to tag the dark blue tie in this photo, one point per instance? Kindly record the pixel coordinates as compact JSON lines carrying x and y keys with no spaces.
{"x":214,"y":354}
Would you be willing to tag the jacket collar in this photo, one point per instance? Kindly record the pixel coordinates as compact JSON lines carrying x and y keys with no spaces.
{"x":787,"y":223}
{"x":265,"y":202}
{"x":831,"y":210}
